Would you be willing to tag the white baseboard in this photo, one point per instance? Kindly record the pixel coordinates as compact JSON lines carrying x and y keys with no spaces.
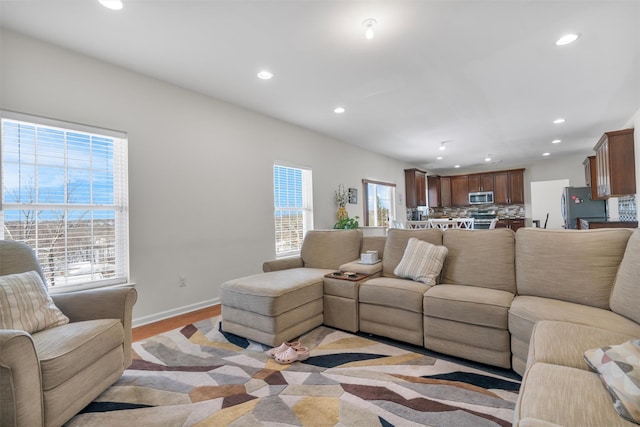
{"x":173,"y":312}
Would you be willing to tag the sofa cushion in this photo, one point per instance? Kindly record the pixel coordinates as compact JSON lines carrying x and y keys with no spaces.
{"x":619,"y":369}
{"x":564,"y":343}
{"x":421,"y":261}
{"x":68,"y":349}
{"x":480,"y":258}
{"x":469,"y":304}
{"x":26,"y":305}
{"x":396,"y":243}
{"x":525,"y":311}
{"x":330,"y":248}
{"x":392,"y":292}
{"x":565,"y":396}
{"x":625,"y":297}
{"x":275,"y":292}
{"x":571,"y":265}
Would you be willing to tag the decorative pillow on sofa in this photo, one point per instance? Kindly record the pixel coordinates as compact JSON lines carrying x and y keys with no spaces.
{"x":25,"y":304}
{"x":421,"y":261}
{"x":619,"y":369}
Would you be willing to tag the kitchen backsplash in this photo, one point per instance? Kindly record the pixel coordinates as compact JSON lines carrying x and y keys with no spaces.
{"x":502,"y":211}
{"x":627,"y":210}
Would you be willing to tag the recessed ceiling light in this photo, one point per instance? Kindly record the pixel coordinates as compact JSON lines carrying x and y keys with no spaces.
{"x":559,"y":120}
{"x":368,"y":25}
{"x":566,"y":39}
{"x":112,"y":4}
{"x":265,"y":75}
{"x":546,"y":154}
{"x":556,"y":141}
{"x":488,"y":158}
{"x":339,"y":110}
{"x":456,"y":166}
{"x":439,"y":158}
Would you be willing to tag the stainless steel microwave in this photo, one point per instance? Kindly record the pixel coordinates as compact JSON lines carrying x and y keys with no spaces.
{"x":481,"y":197}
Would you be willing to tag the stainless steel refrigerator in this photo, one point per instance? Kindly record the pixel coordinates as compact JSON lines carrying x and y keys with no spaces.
{"x":576,"y":203}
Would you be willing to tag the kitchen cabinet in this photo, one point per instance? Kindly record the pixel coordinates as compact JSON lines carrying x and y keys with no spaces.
{"x":445,"y":191}
{"x":513,"y":224}
{"x":434,"y":191}
{"x":415,"y":188}
{"x":508,"y":187}
{"x":460,"y":190}
{"x":590,"y":179}
{"x":615,"y":164}
{"x":480,"y":182}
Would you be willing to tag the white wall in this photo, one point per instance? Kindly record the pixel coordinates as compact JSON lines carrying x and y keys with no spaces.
{"x":634,"y":122}
{"x":200,"y":170}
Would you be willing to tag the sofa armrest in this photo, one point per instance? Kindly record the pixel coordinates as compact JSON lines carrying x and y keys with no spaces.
{"x":282,"y":264}
{"x":103,"y":303}
{"x":21,"y":401}
{"x":357,"y":267}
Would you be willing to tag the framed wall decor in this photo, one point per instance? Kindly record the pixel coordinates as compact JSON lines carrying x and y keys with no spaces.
{"x":353,"y":196}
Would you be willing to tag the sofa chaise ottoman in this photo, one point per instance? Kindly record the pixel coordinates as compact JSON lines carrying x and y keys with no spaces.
{"x":282,"y":304}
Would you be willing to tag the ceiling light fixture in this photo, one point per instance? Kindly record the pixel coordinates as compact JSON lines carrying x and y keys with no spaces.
{"x":265,"y":75}
{"x":368,"y":25}
{"x":556,"y":141}
{"x":439,"y":158}
{"x":488,"y":158}
{"x":339,"y":110}
{"x":442,"y":147}
{"x":559,"y":120}
{"x":546,"y":154}
{"x":456,"y":166}
{"x":566,"y":39}
{"x":112,"y":4}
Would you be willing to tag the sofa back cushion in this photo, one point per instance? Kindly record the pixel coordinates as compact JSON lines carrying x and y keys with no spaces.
{"x":396,"y":243}
{"x":330,"y":248}
{"x":373,"y":243}
{"x":483,"y":258}
{"x":570,"y":265}
{"x":625,"y":298}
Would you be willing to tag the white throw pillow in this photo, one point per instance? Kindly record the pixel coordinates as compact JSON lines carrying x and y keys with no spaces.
{"x":421,"y":261}
{"x":25,"y":304}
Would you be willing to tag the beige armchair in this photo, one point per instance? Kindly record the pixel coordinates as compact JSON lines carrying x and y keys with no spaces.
{"x":49,"y":376}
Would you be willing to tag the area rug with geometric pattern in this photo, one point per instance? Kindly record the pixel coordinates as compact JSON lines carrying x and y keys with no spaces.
{"x":201,"y":376}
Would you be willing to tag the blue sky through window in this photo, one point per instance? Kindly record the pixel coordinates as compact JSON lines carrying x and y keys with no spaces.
{"x":48,"y":166}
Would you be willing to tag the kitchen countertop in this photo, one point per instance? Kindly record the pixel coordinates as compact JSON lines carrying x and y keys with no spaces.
{"x":606,"y":223}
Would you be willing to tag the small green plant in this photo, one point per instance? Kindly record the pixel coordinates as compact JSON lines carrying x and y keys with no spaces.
{"x":347,"y":223}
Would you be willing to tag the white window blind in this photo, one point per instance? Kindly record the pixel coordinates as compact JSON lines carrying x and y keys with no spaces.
{"x":293,"y":203}
{"x":64,"y":193}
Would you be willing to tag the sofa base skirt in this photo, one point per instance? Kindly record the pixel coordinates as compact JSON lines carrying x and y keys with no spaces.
{"x":273,"y":330}
{"x":66,"y":400}
{"x":341,"y":313}
{"x":394,"y":323}
{"x":478,"y":343}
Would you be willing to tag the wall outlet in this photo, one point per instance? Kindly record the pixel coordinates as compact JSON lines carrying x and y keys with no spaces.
{"x":182,"y":281}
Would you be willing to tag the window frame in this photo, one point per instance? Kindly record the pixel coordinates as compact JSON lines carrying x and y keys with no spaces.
{"x":118,"y":207}
{"x":306,"y":208}
{"x":392,"y":209}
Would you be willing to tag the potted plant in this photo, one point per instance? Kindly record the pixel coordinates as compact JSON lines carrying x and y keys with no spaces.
{"x":347,"y":223}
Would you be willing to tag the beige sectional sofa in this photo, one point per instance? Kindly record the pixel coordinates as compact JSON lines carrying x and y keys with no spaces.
{"x":532,"y":301}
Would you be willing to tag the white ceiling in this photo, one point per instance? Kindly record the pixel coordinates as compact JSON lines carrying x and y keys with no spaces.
{"x":485,"y":75}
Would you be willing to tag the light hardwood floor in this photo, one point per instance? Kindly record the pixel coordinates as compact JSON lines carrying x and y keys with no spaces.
{"x":146,"y":331}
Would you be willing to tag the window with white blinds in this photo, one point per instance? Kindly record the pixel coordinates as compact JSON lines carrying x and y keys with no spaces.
{"x":64,"y":193}
{"x":293,"y":202}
